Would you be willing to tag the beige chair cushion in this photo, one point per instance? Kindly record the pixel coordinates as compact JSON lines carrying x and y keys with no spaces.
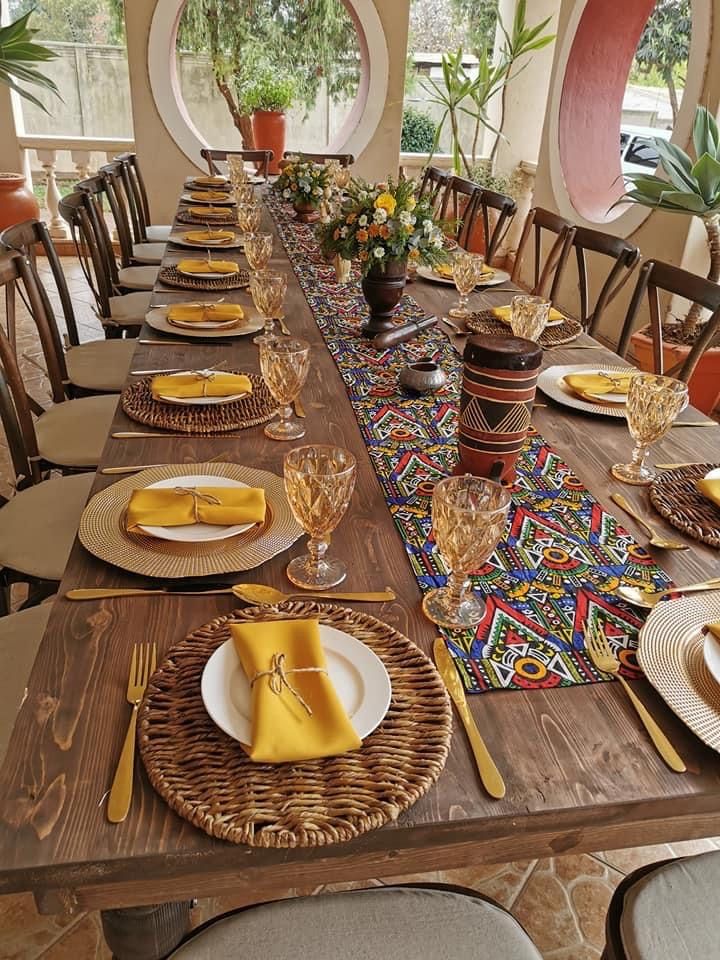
{"x":38,"y":525}
{"x":20,"y":636}
{"x":100,"y":364}
{"x":138,"y":278}
{"x":158,"y":232}
{"x":148,"y":252}
{"x":389,"y":923}
{"x":130,"y":309}
{"x":73,"y":433}
{"x":672,"y":913}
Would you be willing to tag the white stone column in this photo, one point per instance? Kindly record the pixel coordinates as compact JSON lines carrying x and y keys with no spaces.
{"x":81,"y":159}
{"x":56,"y":227}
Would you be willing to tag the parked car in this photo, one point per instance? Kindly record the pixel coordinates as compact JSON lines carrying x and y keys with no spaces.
{"x":638,"y":153}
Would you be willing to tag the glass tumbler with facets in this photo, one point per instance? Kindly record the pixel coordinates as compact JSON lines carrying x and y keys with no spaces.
{"x":319,"y":481}
{"x":284,"y":364}
{"x":268,"y":289}
{"x":653,"y":402}
{"x":238,"y":173}
{"x":244,"y":193}
{"x":467,"y":272}
{"x":258,"y":250}
{"x":468,"y":520}
{"x":529,"y":316}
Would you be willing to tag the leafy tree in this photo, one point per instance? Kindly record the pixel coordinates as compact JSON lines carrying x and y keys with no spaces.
{"x":665,"y":44}
{"x":479,"y":19}
{"x":433,"y":26}
{"x":418,"y":131}
{"x":73,"y":21}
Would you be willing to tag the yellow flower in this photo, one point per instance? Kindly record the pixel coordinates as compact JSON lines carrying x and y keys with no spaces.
{"x":411,"y":203}
{"x":387,"y":202}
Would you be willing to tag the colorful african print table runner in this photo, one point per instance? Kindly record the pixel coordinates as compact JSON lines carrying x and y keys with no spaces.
{"x":562,"y":554}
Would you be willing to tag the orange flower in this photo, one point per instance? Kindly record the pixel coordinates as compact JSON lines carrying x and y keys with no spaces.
{"x":414,"y":254}
{"x":362,"y":235}
{"x":384,"y":232}
{"x":374,"y":230}
{"x":363,"y":254}
{"x":351,"y":218}
{"x":336,"y":234}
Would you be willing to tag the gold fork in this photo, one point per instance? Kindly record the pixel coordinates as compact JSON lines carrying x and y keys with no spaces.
{"x":142,"y":664}
{"x":597,"y":646}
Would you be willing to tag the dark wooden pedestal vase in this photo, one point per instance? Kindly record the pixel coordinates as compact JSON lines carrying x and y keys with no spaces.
{"x":305,"y":211}
{"x":383,"y":291}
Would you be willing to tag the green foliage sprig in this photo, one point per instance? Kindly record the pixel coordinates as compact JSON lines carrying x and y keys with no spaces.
{"x":18,"y":51}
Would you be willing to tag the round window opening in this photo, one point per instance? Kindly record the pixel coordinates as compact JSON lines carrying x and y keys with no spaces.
{"x":623,"y":86}
{"x":302,"y":57}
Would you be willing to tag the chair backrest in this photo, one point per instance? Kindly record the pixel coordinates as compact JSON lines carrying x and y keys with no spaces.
{"x":26,"y":237}
{"x":547,"y":269}
{"x":96,"y":193}
{"x":344,"y":159}
{"x":262,"y":157}
{"x":656,"y":277}
{"x":496,"y":211}
{"x":77,"y":210}
{"x":432,"y":183}
{"x":136,"y":190}
{"x":111,"y":176}
{"x":625,"y":257}
{"x":458,"y":204}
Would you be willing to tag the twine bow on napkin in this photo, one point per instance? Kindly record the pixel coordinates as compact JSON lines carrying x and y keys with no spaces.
{"x":206,"y":377}
{"x":278,"y":678}
{"x":197,"y":496}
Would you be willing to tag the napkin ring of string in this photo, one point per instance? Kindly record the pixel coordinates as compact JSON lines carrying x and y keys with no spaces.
{"x":279,"y":678}
{"x":197,"y":497}
{"x":207,"y":376}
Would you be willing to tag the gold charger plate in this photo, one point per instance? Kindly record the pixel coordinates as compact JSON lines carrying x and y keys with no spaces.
{"x":102,"y":528}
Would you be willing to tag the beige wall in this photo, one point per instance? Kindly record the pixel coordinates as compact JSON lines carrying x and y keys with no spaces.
{"x":164,"y":164}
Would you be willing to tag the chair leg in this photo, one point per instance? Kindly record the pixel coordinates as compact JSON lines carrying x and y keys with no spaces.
{"x":4,"y":594}
{"x":39,"y":590}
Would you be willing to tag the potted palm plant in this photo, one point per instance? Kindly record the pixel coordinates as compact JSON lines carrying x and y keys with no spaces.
{"x":267,"y":95}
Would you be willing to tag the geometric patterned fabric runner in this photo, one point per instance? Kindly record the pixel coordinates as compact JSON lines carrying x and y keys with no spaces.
{"x":562,"y":554}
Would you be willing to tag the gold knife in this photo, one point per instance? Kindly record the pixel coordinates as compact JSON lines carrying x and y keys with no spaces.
{"x":299,"y":408}
{"x":489,"y":773}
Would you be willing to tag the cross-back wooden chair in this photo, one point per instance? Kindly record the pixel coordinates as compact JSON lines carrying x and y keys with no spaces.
{"x":131,"y":253}
{"x":95,"y":366}
{"x":119,"y":313}
{"x":625,"y":257}
{"x":656,"y":278}
{"x":496,"y":212}
{"x":432,"y":184}
{"x":548,"y":269}
{"x":143,"y":228}
{"x":458,"y":205}
{"x":344,"y":159}
{"x":260,"y":157}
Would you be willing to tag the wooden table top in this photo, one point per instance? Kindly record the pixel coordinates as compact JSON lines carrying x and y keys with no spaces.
{"x":581,"y":773}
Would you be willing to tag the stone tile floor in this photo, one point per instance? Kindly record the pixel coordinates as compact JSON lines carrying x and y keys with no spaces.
{"x":561,"y":902}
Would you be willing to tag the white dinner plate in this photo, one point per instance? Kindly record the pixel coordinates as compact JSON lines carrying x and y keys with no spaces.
{"x":358,"y":675}
{"x":427,"y":273}
{"x":204,"y":324}
{"x":252,"y":322}
{"x":196,"y":532}
{"x":194,"y":202}
{"x":207,"y":276}
{"x":551,"y":383}
{"x":192,"y":184}
{"x":177,"y":239}
{"x":200,"y":401}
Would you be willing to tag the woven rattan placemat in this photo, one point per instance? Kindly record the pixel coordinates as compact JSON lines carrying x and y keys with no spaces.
{"x":486,"y":322}
{"x":207,"y":778}
{"x":676,"y":498}
{"x":103,"y":529}
{"x":184,"y":216}
{"x":172,"y":277}
{"x":258,"y":407}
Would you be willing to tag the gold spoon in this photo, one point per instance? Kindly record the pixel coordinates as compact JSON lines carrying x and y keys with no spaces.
{"x":656,"y":539}
{"x":250,"y":592}
{"x":259,"y":593}
{"x":648,"y":600}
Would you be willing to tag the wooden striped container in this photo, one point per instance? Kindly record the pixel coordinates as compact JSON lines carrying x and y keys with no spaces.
{"x":499,"y":378}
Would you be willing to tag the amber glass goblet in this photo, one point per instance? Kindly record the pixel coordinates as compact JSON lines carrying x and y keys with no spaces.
{"x":284,"y":364}
{"x":529,"y":316}
{"x":268,"y":289}
{"x":258,"y":250}
{"x":467,"y":271}
{"x":248,"y":217}
{"x":319,"y":481}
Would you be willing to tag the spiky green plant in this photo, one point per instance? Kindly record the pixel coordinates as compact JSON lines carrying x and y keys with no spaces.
{"x":18,"y":51}
{"x":691,"y":188}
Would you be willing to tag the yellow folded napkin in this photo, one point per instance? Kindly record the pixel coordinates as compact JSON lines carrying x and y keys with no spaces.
{"x":200,"y":383}
{"x":209,"y":181}
{"x":204,"y":212}
{"x":208,"y":266}
{"x":209,"y":195}
{"x":714,"y":629}
{"x":503,"y":313}
{"x":711,"y":490}
{"x":205,"y":236}
{"x":177,"y":506}
{"x":199,"y":313}
{"x":296,"y":712}
{"x":446,"y":270}
{"x":588,"y":384}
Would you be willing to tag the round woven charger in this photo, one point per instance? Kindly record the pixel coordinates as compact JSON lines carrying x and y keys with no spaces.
{"x":172,"y":277}
{"x":486,"y":322}
{"x":207,"y":778}
{"x":140,"y":405}
{"x":184,"y":216}
{"x":674,"y":495}
{"x":103,"y":529}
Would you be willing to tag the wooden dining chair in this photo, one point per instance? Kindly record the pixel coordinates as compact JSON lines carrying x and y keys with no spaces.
{"x":120,"y":313}
{"x":625,"y":257}
{"x":143,"y":227}
{"x":458,"y":206}
{"x":261,"y":157}
{"x":344,"y":159}
{"x":658,"y":278}
{"x":125,"y":278}
{"x":131,"y":252}
{"x":432,"y":185}
{"x":95,"y":366}
{"x":548,"y":265}
{"x":495,"y":211}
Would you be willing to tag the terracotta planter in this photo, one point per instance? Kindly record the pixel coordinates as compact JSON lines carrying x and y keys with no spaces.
{"x":383,"y":291}
{"x":269,"y":134}
{"x":705,"y":382}
{"x":17,"y":203}
{"x":306,"y":211}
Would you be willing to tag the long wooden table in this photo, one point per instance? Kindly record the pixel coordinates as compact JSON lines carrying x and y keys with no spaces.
{"x":581,"y":773}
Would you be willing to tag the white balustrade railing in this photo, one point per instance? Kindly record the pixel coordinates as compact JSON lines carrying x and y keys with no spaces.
{"x":82,"y":150}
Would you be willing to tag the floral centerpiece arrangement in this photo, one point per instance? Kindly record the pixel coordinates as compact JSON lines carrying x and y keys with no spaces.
{"x":383,"y":226}
{"x":304,"y":184}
